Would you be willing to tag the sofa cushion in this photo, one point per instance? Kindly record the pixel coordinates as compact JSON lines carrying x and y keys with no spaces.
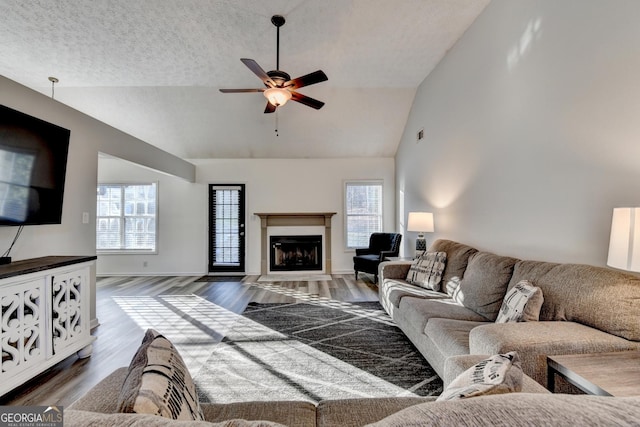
{"x":450,"y":336}
{"x":86,"y":418}
{"x":394,"y":290}
{"x":520,"y":409}
{"x":535,"y":340}
{"x":599,"y":297}
{"x":485,"y":282}
{"x":159,"y":383}
{"x":297,"y":413}
{"x":418,"y":311}
{"x":426,"y":271}
{"x":103,"y":397}
{"x":522,"y":303}
{"x":498,"y":374}
{"x":457,"y":257}
{"x":357,"y":412}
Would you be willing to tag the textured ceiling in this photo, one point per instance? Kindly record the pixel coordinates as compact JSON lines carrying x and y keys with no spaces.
{"x":152,"y":68}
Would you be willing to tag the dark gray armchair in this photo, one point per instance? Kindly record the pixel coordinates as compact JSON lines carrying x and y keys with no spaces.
{"x":381,"y":245}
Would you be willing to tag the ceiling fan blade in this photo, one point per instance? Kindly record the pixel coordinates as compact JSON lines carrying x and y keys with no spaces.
{"x":258,"y":71}
{"x":240,"y":90}
{"x":309,"y":102}
{"x":307,"y":80}
{"x":269,"y":108}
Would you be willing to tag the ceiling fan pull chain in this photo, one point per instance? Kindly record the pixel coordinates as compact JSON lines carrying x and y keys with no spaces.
{"x":277,"y":134}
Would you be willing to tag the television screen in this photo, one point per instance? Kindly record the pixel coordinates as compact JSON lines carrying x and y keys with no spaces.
{"x":33,"y":163}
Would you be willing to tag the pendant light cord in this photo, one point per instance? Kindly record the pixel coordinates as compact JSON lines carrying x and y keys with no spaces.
{"x":53,"y":81}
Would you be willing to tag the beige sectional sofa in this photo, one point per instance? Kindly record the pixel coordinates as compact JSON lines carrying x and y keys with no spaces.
{"x":586,"y":309}
{"x":532,"y":407}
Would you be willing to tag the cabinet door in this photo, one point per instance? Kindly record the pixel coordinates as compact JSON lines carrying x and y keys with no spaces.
{"x":69,"y":308}
{"x":22,"y":332}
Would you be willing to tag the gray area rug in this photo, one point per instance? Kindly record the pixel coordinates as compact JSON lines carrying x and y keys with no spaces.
{"x":313,"y":351}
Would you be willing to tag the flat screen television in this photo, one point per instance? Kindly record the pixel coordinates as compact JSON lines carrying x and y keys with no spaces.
{"x":33,"y":165}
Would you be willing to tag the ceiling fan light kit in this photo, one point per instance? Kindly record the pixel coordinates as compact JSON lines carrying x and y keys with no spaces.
{"x":277,"y":96}
{"x":279,"y":87}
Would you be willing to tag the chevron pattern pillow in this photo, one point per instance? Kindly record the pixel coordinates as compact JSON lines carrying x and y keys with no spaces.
{"x":501,"y":373}
{"x":426,"y":271}
{"x":159,"y":383}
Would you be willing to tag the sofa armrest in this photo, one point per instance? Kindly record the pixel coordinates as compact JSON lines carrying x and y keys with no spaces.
{"x":455,"y":365}
{"x":384,"y":254}
{"x":535,"y":340}
{"x":103,"y":397}
{"x":393,"y":270}
{"x":363,"y":251}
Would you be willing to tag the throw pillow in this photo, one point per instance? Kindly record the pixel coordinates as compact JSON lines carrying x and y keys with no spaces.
{"x":501,"y":373}
{"x":453,"y":290}
{"x":426,"y":271}
{"x":521,"y":304}
{"x":159,"y":383}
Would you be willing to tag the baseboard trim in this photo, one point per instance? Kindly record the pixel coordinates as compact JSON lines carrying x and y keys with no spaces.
{"x":94,"y":324}
{"x":149,"y":274}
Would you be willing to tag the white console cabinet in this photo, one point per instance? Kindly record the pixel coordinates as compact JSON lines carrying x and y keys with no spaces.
{"x":45,"y":315}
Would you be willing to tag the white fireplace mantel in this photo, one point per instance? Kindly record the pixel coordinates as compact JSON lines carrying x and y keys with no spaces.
{"x":294,"y":219}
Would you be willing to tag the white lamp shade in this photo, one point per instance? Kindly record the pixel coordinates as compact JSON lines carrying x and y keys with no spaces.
{"x":421,"y":222}
{"x":624,"y":243}
{"x":277,"y":96}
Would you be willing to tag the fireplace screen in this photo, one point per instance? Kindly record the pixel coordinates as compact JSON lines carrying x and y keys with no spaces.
{"x":294,"y":253}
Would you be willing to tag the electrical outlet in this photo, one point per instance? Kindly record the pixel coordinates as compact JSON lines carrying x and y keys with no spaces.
{"x":145,"y":263}
{"x":420,"y":135}
{"x":85,"y":217}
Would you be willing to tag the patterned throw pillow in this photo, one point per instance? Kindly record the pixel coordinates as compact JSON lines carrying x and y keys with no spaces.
{"x":501,"y":373}
{"x":521,"y":304}
{"x":426,"y":271}
{"x":159,"y":383}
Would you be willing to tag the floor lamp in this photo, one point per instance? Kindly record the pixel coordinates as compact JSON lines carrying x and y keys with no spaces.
{"x":422,"y":222}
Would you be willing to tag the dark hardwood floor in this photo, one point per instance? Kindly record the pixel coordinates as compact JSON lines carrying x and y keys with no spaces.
{"x":119,"y":335}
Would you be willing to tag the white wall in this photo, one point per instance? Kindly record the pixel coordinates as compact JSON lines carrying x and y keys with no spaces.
{"x":182,"y":226}
{"x":307,"y":185}
{"x":532,"y":130}
{"x":88,"y":137}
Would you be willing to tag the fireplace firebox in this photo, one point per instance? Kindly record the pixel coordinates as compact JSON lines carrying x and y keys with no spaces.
{"x":296,"y":253}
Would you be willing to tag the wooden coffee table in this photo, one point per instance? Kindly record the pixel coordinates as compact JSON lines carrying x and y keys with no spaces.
{"x":602,"y":374}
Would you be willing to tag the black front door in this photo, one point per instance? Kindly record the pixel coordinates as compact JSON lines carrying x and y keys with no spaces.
{"x":226,"y":228}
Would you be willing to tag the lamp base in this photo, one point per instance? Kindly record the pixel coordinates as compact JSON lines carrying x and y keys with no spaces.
{"x":421,"y":246}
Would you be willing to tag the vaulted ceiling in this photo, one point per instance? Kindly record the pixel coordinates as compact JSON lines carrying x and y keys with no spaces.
{"x":153,"y":68}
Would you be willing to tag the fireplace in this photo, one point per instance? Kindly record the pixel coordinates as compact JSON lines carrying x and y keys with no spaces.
{"x":295,"y":253}
{"x":295,"y":219}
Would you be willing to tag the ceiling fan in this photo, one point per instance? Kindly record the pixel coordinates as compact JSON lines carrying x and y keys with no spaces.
{"x":279,"y":86}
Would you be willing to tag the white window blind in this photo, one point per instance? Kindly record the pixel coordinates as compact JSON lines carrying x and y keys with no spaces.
{"x":226,"y":217}
{"x":363,"y":211}
{"x":127,"y":217}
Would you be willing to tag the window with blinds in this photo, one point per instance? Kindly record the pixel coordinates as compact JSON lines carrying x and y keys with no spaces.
{"x":363,"y":212}
{"x":127,"y":218}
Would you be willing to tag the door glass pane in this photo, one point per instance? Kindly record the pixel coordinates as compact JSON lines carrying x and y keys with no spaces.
{"x":226,"y":226}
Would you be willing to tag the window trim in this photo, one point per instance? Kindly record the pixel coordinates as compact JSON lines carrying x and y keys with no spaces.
{"x":157,"y":227}
{"x":348,"y":182}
